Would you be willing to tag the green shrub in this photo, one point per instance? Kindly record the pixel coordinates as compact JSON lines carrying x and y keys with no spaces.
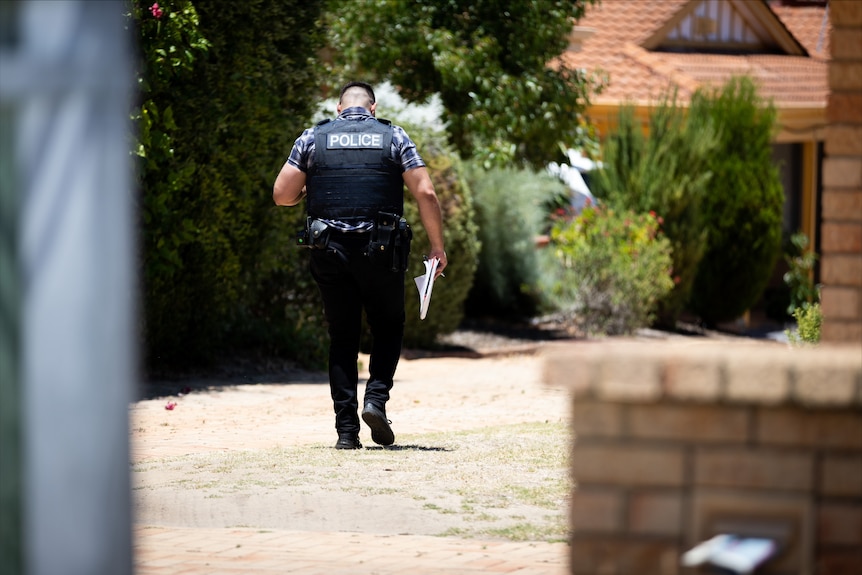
{"x":460,"y":234}
{"x":219,"y":268}
{"x":743,"y":205}
{"x":665,"y":173}
{"x":808,"y":322}
{"x":169,"y":44}
{"x":510,"y":213}
{"x":610,"y":270}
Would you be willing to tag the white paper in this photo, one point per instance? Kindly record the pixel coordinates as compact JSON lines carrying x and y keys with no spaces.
{"x":744,"y":555}
{"x":425,"y":283}
{"x":741,"y":555}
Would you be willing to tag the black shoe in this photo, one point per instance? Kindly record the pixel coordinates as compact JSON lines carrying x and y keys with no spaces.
{"x":381,"y":433}
{"x":348,"y":441}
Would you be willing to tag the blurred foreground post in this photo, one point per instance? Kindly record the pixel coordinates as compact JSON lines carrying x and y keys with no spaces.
{"x":67,"y":291}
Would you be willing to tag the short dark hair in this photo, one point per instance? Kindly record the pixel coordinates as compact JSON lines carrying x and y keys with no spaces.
{"x":365,"y":86}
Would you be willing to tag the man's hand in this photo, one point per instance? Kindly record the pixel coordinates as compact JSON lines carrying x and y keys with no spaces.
{"x":442,"y":261}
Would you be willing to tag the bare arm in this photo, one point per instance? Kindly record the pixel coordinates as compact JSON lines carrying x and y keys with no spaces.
{"x":419,"y":183}
{"x":289,"y":187}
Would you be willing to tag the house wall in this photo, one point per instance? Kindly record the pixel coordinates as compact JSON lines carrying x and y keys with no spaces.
{"x":676,"y":441}
{"x":841,"y":220}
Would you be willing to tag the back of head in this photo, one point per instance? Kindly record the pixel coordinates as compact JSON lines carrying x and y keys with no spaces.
{"x":357,"y":94}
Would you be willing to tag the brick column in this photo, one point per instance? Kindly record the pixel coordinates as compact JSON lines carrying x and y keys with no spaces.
{"x":681,"y":439}
{"x":841,"y":245}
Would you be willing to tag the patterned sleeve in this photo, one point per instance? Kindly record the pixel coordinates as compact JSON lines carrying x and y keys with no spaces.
{"x":302,"y":154}
{"x":406,"y":150}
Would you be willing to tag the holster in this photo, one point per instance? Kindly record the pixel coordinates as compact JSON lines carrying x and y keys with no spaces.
{"x":389,"y":247}
{"x":315,"y":235}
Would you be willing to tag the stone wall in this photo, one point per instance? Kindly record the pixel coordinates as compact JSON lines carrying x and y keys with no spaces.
{"x":841,"y":230}
{"x":679,"y":440}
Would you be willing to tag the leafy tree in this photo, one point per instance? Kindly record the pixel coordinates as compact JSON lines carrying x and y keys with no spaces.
{"x":743,"y":204}
{"x":665,"y":173}
{"x":487,"y":59}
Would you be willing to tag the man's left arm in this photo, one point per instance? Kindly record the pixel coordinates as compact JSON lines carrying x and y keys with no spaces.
{"x":422,"y":189}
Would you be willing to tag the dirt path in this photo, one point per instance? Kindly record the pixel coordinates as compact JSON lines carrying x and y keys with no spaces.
{"x":480,"y":450}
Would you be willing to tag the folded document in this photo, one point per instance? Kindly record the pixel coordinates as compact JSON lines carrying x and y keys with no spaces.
{"x":425,"y":283}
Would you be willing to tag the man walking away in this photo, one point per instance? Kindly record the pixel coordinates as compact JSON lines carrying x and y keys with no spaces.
{"x":352,"y":171}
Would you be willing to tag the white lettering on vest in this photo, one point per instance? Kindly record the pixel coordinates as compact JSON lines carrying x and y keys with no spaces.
{"x":353,"y":140}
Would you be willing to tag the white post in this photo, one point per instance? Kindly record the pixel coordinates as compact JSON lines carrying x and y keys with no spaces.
{"x":69,"y":81}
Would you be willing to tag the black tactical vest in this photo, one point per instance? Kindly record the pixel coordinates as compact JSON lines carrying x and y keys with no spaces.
{"x":354,"y":174}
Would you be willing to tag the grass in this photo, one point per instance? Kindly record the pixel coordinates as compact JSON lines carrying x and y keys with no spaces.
{"x":508,"y":482}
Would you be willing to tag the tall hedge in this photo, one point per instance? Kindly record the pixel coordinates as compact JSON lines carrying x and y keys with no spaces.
{"x":218,"y":269}
{"x":743,"y":204}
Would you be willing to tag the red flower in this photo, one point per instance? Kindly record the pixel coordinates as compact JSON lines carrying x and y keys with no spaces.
{"x":171,"y":405}
{"x":156,"y":11}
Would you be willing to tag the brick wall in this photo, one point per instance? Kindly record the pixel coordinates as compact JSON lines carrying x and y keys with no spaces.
{"x":841,"y":240}
{"x":676,"y":441}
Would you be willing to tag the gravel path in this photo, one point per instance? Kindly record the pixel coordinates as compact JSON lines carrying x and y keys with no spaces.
{"x":480,"y":449}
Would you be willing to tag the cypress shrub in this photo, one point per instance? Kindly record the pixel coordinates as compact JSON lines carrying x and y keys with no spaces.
{"x":666,"y":174}
{"x":743,"y":204}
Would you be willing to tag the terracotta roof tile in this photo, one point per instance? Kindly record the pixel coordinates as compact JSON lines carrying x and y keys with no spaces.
{"x":809,"y":24}
{"x":634,"y":20}
{"x":639,"y":75}
{"x":788,"y":80}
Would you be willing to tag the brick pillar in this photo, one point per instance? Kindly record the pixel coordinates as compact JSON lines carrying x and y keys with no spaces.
{"x":841,"y":246}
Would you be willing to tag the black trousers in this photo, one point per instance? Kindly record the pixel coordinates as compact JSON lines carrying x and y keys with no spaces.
{"x":349,"y":283}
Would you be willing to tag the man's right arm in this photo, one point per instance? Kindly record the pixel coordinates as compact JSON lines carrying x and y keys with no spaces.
{"x":289,"y":187}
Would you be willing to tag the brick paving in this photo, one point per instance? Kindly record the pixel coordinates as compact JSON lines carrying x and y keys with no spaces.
{"x":196,"y":551}
{"x":426,"y":393}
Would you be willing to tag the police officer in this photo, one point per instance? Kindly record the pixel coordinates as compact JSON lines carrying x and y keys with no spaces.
{"x":352,"y":171}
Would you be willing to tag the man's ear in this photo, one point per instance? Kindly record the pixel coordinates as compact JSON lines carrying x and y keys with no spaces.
{"x":338,"y":108}
{"x":373,"y":108}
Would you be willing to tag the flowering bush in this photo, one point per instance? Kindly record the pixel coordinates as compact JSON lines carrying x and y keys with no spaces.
{"x":156,"y":11}
{"x":169,"y":42}
{"x":610,"y":269}
{"x":169,"y":47}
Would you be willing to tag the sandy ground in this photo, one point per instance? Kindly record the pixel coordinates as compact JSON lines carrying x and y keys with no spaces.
{"x":477,"y":443}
